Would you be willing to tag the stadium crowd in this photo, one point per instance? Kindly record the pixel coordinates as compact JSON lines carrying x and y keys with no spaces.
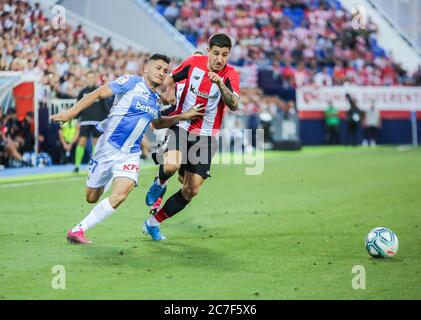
{"x":59,"y":57}
{"x":16,"y":138}
{"x":305,"y":42}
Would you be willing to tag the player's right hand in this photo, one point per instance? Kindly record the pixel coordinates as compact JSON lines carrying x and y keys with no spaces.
{"x":62,"y":116}
{"x":195,"y":112}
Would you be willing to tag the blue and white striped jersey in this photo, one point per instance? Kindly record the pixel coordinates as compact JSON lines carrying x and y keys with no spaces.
{"x":135,"y":106}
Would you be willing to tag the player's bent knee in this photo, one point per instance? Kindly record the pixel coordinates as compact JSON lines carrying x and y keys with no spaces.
{"x":191,"y":192}
{"x":93,"y":195}
{"x":171,"y":168}
{"x":92,"y":198}
{"x":117,"y":199}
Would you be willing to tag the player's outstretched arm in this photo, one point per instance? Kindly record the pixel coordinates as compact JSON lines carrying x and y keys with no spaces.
{"x":84,"y":103}
{"x":165,"y":122}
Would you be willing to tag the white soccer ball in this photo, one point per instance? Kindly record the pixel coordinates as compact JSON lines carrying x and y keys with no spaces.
{"x":381,"y":243}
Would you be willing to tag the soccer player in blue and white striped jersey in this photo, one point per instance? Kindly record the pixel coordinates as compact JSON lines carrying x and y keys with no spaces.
{"x":117,"y":154}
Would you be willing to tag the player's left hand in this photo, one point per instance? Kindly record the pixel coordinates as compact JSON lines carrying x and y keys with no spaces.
{"x":215,"y":78}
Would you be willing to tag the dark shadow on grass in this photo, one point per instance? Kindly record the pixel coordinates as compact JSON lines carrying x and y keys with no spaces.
{"x":148,"y":254}
{"x":385,"y":260}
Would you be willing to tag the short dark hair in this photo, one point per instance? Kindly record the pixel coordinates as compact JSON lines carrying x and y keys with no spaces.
{"x":158,"y":56}
{"x":220,"y":40}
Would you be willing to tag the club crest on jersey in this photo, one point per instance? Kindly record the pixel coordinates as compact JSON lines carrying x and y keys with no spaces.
{"x":203,"y":94}
{"x":123,"y":79}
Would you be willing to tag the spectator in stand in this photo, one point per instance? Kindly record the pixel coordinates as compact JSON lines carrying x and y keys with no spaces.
{"x":16,"y":138}
{"x":302,"y":75}
{"x":323,"y":78}
{"x":353,"y":117}
{"x":8,"y":147}
{"x":332,"y":124}
{"x":172,"y":12}
{"x":372,"y":124}
{"x":69,"y":135}
{"x":26,"y":133}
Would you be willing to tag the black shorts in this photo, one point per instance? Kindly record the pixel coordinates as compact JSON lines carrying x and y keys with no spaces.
{"x":88,"y":130}
{"x":197,"y":151}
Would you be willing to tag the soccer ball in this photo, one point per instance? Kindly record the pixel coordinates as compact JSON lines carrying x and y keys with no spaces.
{"x":381,"y":243}
{"x":39,"y":160}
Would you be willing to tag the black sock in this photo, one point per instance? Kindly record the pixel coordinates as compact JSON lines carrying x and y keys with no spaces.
{"x":175,"y":204}
{"x":154,"y":157}
{"x":162,"y":175}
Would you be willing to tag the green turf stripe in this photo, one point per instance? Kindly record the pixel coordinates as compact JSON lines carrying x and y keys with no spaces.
{"x":41,"y":176}
{"x":52,"y":176}
{"x":316,"y":150}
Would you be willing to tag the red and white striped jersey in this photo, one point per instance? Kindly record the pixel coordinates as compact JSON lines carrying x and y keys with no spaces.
{"x":199,"y":89}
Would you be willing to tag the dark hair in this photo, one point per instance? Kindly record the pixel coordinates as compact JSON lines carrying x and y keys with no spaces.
{"x":220,"y":40}
{"x":158,"y":56}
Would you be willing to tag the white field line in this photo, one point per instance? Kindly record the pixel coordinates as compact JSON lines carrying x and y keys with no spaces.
{"x":149,"y":167}
{"x":404,"y":148}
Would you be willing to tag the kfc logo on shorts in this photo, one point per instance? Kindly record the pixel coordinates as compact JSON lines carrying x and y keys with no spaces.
{"x":131,"y":167}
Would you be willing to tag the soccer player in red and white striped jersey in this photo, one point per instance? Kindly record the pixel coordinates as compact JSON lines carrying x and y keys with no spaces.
{"x":211,"y":82}
{"x":202,"y":88}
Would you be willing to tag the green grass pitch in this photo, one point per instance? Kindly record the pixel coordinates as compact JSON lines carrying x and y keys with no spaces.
{"x":294,"y":232}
